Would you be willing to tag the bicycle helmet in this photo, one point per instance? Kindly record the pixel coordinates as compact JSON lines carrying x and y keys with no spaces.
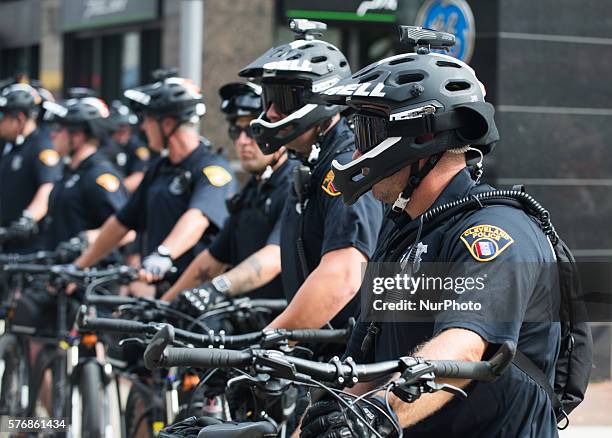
{"x":20,"y":98}
{"x":410,"y":107}
{"x":240,"y":99}
{"x":120,"y":115}
{"x":289,"y":75}
{"x":87,"y":113}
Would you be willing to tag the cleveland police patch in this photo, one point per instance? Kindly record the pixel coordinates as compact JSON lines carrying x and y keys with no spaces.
{"x":486,"y":242}
{"x":328,"y":185}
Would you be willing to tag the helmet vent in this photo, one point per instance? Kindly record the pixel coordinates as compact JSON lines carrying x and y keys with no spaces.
{"x":447,"y":64}
{"x":332,"y":48}
{"x":400,"y":61}
{"x":296,"y":56}
{"x":362,"y":72}
{"x":306,"y":46}
{"x":458,"y":86}
{"x":342,"y":63}
{"x":369,"y":78}
{"x":318,"y":59}
{"x":408,"y":78}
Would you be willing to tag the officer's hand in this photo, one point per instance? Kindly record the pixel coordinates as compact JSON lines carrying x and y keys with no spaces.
{"x":328,"y":418}
{"x":155,"y":267}
{"x":23,"y":228}
{"x":71,"y":249}
{"x":69,"y":268}
{"x":197,"y":301}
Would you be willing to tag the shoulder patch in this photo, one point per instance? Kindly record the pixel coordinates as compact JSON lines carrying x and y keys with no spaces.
{"x":328,"y":185}
{"x":217,"y":175}
{"x":143,"y":153}
{"x":108,"y":182}
{"x":49,"y":157}
{"x":486,"y":242}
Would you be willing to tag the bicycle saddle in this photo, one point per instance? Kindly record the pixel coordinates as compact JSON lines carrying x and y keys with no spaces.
{"x":259,"y":429}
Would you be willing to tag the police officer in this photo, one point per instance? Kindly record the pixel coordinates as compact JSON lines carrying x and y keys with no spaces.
{"x":180,"y":205}
{"x":323,"y":242}
{"x":250,"y":238}
{"x":129,"y":154}
{"x":90,"y":190}
{"x":413,"y":134}
{"x":29,"y":164}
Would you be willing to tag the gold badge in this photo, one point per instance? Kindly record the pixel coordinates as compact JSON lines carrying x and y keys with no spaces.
{"x":486,"y":242}
{"x":328,"y":185}
{"x":143,"y":153}
{"x":217,"y":175}
{"x":49,"y":157}
{"x":108,"y":182}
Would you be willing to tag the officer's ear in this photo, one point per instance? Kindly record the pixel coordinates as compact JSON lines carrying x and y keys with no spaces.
{"x":167,"y":125}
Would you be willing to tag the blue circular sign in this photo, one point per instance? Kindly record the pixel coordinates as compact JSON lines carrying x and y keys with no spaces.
{"x":452,"y":16}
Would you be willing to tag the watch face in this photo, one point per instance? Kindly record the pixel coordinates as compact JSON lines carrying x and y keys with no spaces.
{"x":221,"y":284}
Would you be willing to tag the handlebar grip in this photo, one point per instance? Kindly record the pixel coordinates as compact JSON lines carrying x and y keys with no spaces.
{"x":483,"y":371}
{"x":110,"y":300}
{"x":320,"y":335}
{"x":204,"y":358}
{"x":154,"y":353}
{"x":275,"y":305}
{"x":114,"y":325}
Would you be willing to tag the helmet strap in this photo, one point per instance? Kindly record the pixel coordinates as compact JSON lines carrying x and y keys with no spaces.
{"x":415,"y":178}
{"x":477,"y":168}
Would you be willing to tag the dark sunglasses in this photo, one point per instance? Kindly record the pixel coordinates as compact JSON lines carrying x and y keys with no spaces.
{"x":373,"y":129}
{"x":234,"y":131}
{"x":287,"y":98}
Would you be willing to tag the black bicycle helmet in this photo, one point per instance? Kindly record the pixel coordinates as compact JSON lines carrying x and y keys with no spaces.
{"x":20,"y":98}
{"x":120,"y":115}
{"x":409,"y":107}
{"x":87,"y":113}
{"x":289,"y":75}
{"x":170,"y":97}
{"x":240,"y":99}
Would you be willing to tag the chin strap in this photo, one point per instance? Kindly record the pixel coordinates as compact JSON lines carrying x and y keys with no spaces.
{"x":416,"y":176}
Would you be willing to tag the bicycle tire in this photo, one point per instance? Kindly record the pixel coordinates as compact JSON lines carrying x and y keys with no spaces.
{"x":137,"y":411}
{"x":14,"y":377}
{"x":91,"y":388}
{"x":52,"y":359}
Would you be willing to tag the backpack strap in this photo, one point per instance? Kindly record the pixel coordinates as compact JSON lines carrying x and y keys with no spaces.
{"x":527,"y":366}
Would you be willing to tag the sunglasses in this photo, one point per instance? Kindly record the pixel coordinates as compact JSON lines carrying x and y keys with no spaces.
{"x":287,"y":98}
{"x":372,"y":129}
{"x":234,"y":131}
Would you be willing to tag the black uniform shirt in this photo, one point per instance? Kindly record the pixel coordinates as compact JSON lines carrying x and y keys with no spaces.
{"x":135,"y":156}
{"x":23,"y":169}
{"x":83,"y":199}
{"x":514,"y":405}
{"x":203,"y":180}
{"x":255,"y":224}
{"x":328,"y":224}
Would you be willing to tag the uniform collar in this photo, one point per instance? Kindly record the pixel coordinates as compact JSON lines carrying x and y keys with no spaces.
{"x":192,"y":159}
{"x":461,"y":184}
{"x":90,"y":161}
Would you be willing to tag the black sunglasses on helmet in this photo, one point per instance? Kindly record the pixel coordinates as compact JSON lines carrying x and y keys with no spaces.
{"x":287,"y":98}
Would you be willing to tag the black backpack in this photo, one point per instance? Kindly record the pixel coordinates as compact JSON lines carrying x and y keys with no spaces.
{"x":575,"y":360}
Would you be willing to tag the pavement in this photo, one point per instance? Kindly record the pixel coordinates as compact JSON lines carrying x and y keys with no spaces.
{"x":593,"y":418}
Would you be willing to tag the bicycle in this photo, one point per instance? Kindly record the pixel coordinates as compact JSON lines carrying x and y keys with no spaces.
{"x":265,"y":366}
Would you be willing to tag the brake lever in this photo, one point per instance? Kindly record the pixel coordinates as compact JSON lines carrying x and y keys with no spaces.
{"x":139,"y":341}
{"x":446,"y":388}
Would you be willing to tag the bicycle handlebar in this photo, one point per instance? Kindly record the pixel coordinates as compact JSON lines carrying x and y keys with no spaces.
{"x":158,"y":354}
{"x":61,"y":271}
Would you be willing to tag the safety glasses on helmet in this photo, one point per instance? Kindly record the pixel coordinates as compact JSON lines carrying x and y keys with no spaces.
{"x":287,"y":98}
{"x":373,"y":127}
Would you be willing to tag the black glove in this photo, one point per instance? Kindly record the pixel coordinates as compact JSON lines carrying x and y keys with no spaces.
{"x":188,"y":428}
{"x":24,"y":227}
{"x":71,"y":249}
{"x":328,"y":418}
{"x":197,"y":300}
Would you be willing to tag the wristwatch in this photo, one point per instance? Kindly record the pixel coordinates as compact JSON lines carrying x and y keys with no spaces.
{"x":222,"y":284}
{"x":163,"y":251}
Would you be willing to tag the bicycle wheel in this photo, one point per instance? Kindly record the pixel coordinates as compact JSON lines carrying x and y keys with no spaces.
{"x":48,"y":384}
{"x":13,"y":376}
{"x":139,"y":414}
{"x":91,"y":389}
